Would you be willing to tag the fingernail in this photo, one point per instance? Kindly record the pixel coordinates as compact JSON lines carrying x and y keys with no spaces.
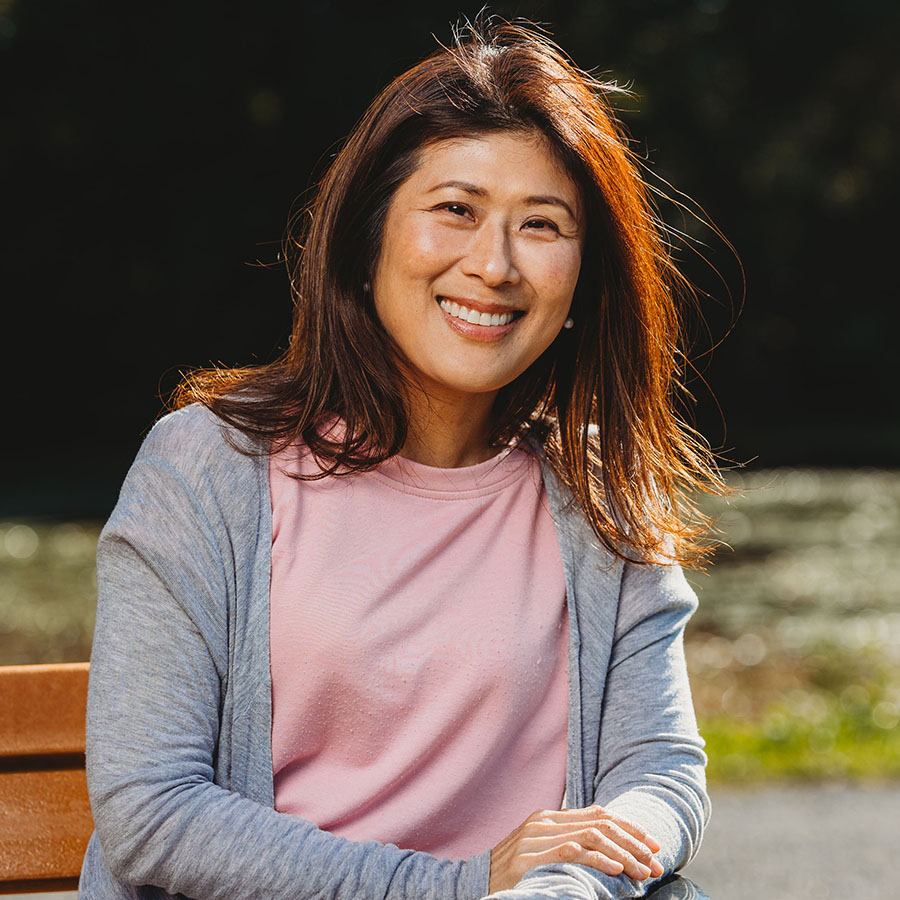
{"x":643,"y":871}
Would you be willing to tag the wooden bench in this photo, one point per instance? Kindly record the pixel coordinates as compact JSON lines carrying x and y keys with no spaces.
{"x":45,"y":818}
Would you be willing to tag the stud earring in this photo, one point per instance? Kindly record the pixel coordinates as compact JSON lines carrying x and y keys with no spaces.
{"x":367,"y":288}
{"x":569,"y":323}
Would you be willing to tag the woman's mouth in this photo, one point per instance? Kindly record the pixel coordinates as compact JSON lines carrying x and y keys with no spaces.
{"x":490,"y":323}
{"x":473,"y":317}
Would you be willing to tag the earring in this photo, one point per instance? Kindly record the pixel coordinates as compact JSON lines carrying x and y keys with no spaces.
{"x":367,"y":288}
{"x":569,"y":323}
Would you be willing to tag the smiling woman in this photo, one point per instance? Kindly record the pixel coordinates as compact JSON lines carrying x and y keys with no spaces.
{"x":363,"y":610}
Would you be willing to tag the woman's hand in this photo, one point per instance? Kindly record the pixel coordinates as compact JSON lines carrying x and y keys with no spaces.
{"x":589,"y":836}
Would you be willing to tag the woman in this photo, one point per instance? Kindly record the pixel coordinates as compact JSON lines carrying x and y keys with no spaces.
{"x":362,"y":610}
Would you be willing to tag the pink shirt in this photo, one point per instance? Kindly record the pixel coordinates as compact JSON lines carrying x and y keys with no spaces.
{"x":418,"y":649}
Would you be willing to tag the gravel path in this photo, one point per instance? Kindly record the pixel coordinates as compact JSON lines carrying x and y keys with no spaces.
{"x":806,"y":842}
{"x":801,"y":843}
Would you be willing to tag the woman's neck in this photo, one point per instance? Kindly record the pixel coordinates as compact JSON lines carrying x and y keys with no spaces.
{"x":450,"y":435}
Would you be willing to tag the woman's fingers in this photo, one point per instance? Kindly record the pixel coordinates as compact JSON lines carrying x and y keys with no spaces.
{"x":588,"y":836}
{"x":624,"y":833}
{"x":609,"y":839}
{"x":598,"y":813}
{"x":633,"y":839}
{"x":634,"y":830}
{"x":603,"y":838}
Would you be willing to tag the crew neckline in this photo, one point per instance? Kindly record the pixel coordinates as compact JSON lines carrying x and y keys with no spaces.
{"x":491,"y":475}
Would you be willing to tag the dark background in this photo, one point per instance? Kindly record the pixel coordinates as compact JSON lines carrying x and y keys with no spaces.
{"x":151,"y":154}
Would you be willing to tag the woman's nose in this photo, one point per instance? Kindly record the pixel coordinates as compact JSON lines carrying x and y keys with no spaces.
{"x":490,"y":256}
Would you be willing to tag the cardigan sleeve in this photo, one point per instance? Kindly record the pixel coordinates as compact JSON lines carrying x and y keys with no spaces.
{"x":651,"y":763}
{"x":158,"y":670}
{"x":652,"y":767}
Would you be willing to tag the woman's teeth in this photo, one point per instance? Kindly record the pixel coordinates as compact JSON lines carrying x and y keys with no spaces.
{"x":473,"y":316}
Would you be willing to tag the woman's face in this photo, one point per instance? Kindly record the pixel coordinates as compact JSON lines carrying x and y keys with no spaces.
{"x":479,"y":259}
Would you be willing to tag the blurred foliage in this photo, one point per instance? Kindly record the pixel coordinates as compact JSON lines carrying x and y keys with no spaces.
{"x":794,"y":653}
{"x":150,"y":154}
{"x":48,"y":591}
{"x":810,"y":556}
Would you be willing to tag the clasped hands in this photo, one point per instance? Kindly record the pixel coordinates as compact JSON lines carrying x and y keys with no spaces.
{"x":590,"y":836}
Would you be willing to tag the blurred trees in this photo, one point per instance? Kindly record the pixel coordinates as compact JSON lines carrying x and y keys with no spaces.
{"x":150,"y":152}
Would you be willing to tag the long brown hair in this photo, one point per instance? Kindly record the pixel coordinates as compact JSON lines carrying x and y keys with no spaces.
{"x":634,"y":473}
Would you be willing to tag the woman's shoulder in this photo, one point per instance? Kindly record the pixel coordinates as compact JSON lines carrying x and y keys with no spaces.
{"x":195,"y":433}
{"x":194,"y":446}
{"x":190,"y":429}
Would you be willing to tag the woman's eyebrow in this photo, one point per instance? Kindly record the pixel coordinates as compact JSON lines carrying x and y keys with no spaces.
{"x":537,"y":200}
{"x":551,"y":200}
{"x":462,"y":185}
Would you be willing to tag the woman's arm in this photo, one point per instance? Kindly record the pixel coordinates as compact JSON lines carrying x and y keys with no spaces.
{"x":651,"y":768}
{"x":160,"y":660}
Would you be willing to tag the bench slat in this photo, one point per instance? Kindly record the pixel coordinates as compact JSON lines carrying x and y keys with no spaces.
{"x":42,"y":709}
{"x":45,"y":824}
{"x":45,"y":816}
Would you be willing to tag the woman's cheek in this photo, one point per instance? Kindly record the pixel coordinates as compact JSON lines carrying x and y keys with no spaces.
{"x":567,"y":265}
{"x":558,"y":275}
{"x":435,"y":244}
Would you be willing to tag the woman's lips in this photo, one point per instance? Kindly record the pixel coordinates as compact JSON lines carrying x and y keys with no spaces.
{"x":479,"y":321}
{"x":474,"y":316}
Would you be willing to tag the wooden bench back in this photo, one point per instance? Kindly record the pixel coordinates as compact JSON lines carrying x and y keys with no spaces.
{"x":45,"y":818}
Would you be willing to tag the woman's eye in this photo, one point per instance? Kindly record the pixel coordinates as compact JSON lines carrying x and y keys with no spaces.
{"x":540,"y":225}
{"x":456,"y":208}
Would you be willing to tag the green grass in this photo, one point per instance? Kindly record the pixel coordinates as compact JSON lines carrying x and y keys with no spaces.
{"x":781,"y":747}
{"x":829,"y":714}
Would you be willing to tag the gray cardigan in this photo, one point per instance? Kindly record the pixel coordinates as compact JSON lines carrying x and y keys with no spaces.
{"x":179,"y":722}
